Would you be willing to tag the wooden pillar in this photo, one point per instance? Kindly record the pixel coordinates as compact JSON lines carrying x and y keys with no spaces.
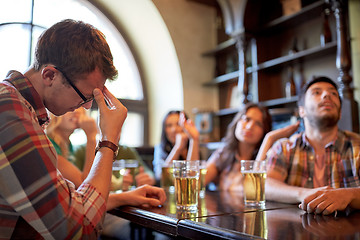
{"x":243,"y":80}
{"x":350,"y":117}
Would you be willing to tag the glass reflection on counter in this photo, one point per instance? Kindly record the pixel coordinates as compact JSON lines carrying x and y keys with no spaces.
{"x":255,"y":223}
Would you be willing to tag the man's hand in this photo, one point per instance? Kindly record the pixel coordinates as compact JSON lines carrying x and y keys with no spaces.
{"x":143,"y":178}
{"x":111,"y":119}
{"x":327,"y":200}
{"x":145,"y":196}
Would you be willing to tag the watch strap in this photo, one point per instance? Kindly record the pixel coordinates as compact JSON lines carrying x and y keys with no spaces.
{"x":107,"y":144}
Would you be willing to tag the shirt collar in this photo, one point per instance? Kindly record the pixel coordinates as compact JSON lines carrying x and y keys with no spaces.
{"x":337,"y":143}
{"x":27,"y":90}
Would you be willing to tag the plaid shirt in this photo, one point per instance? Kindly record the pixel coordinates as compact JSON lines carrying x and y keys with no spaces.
{"x":294,"y":159}
{"x":36,"y":202}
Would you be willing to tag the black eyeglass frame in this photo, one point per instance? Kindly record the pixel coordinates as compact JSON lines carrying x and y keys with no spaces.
{"x":85,"y":100}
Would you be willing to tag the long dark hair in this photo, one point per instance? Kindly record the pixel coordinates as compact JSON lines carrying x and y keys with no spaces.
{"x":165,"y":143}
{"x":230,"y":140}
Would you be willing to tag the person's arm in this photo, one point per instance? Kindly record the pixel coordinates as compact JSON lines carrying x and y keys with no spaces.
{"x":271,"y":137}
{"x":88,"y":124}
{"x":111,"y":120}
{"x":193,"y":136}
{"x":69,"y":171}
{"x":277,"y":190}
{"x":211,"y":173}
{"x":180,"y":145}
{"x":144,"y":195}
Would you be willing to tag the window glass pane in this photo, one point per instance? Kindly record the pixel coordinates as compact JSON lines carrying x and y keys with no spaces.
{"x":132,"y":133}
{"x":128,"y":85}
{"x":35,"y":36}
{"x":15,"y":11}
{"x":14,"y":48}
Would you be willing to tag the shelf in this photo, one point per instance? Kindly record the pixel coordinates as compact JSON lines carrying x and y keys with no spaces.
{"x":309,"y":12}
{"x":223,"y":78}
{"x":268,"y":103}
{"x":302,"y":55}
{"x":220,"y":48}
{"x":279,"y":101}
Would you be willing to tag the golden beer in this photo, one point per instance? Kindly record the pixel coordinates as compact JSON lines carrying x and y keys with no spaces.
{"x":133,"y":170}
{"x":255,"y":223}
{"x":167,"y":179}
{"x":186,"y":193}
{"x":202,"y":186}
{"x":254,"y":187}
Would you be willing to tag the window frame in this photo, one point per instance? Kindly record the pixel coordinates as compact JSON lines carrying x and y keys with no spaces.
{"x":135,"y":106}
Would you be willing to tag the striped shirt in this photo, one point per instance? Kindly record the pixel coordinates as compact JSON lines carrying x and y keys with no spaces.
{"x":35,"y":200}
{"x":294,"y":159}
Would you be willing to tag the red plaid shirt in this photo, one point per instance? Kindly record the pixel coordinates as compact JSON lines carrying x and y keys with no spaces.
{"x":294,"y":159}
{"x":35,"y":200}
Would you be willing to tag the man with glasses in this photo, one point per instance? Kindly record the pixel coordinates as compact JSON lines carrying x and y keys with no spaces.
{"x":71,"y":66}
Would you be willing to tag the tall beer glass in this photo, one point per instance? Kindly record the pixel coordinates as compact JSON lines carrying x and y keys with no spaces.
{"x":186,"y":174}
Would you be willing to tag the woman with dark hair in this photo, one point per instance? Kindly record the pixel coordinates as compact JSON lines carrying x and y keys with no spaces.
{"x":179,"y":141}
{"x":242,"y":141}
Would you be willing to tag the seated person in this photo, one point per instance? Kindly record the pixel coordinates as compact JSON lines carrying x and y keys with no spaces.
{"x":179,"y":141}
{"x":145,"y":175}
{"x":75,"y":165}
{"x":242,"y":141}
{"x":319,"y":167}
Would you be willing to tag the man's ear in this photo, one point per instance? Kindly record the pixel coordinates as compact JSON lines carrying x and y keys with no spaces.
{"x":301,"y":111}
{"x":48,"y":75}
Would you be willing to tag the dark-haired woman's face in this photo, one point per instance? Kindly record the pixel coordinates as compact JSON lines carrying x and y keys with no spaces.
{"x":172,"y":127}
{"x":250,"y":128}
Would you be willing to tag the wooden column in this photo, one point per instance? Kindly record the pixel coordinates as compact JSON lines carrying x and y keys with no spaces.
{"x":233,"y":12}
{"x":350,"y":115}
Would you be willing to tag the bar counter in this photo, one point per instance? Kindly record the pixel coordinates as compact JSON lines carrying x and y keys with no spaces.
{"x":222,"y":215}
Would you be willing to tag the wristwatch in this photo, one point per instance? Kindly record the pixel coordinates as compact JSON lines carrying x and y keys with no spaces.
{"x":108,"y":144}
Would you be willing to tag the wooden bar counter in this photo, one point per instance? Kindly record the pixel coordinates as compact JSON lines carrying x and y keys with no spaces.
{"x":222,"y":215}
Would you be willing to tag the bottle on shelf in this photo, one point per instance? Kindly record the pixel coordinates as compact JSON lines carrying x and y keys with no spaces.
{"x":325,"y":36}
{"x":290,"y":88}
{"x":294,"y":48}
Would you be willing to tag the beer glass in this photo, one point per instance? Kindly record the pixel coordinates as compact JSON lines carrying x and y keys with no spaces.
{"x":133,"y":166}
{"x":118,"y":170}
{"x":186,"y":174}
{"x":167,"y":179}
{"x":254,"y":175}
{"x":202,"y":186}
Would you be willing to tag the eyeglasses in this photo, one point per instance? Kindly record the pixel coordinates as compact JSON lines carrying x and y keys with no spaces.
{"x":85,"y":100}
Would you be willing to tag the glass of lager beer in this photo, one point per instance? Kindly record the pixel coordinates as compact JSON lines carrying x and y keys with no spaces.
{"x":186,"y":174}
{"x":167,"y":179}
{"x":118,"y":170}
{"x":202,"y":186}
{"x":133,"y":166}
{"x":254,"y":175}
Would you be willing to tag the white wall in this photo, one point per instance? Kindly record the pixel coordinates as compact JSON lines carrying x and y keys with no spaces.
{"x":143,"y":26}
{"x":167,"y":38}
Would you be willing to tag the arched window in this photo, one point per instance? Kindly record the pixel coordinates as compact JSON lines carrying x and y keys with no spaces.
{"x":19,"y":33}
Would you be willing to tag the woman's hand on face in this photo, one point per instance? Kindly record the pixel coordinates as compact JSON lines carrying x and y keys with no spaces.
{"x":111,"y":119}
{"x":188,"y":127}
{"x":87,"y":124}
